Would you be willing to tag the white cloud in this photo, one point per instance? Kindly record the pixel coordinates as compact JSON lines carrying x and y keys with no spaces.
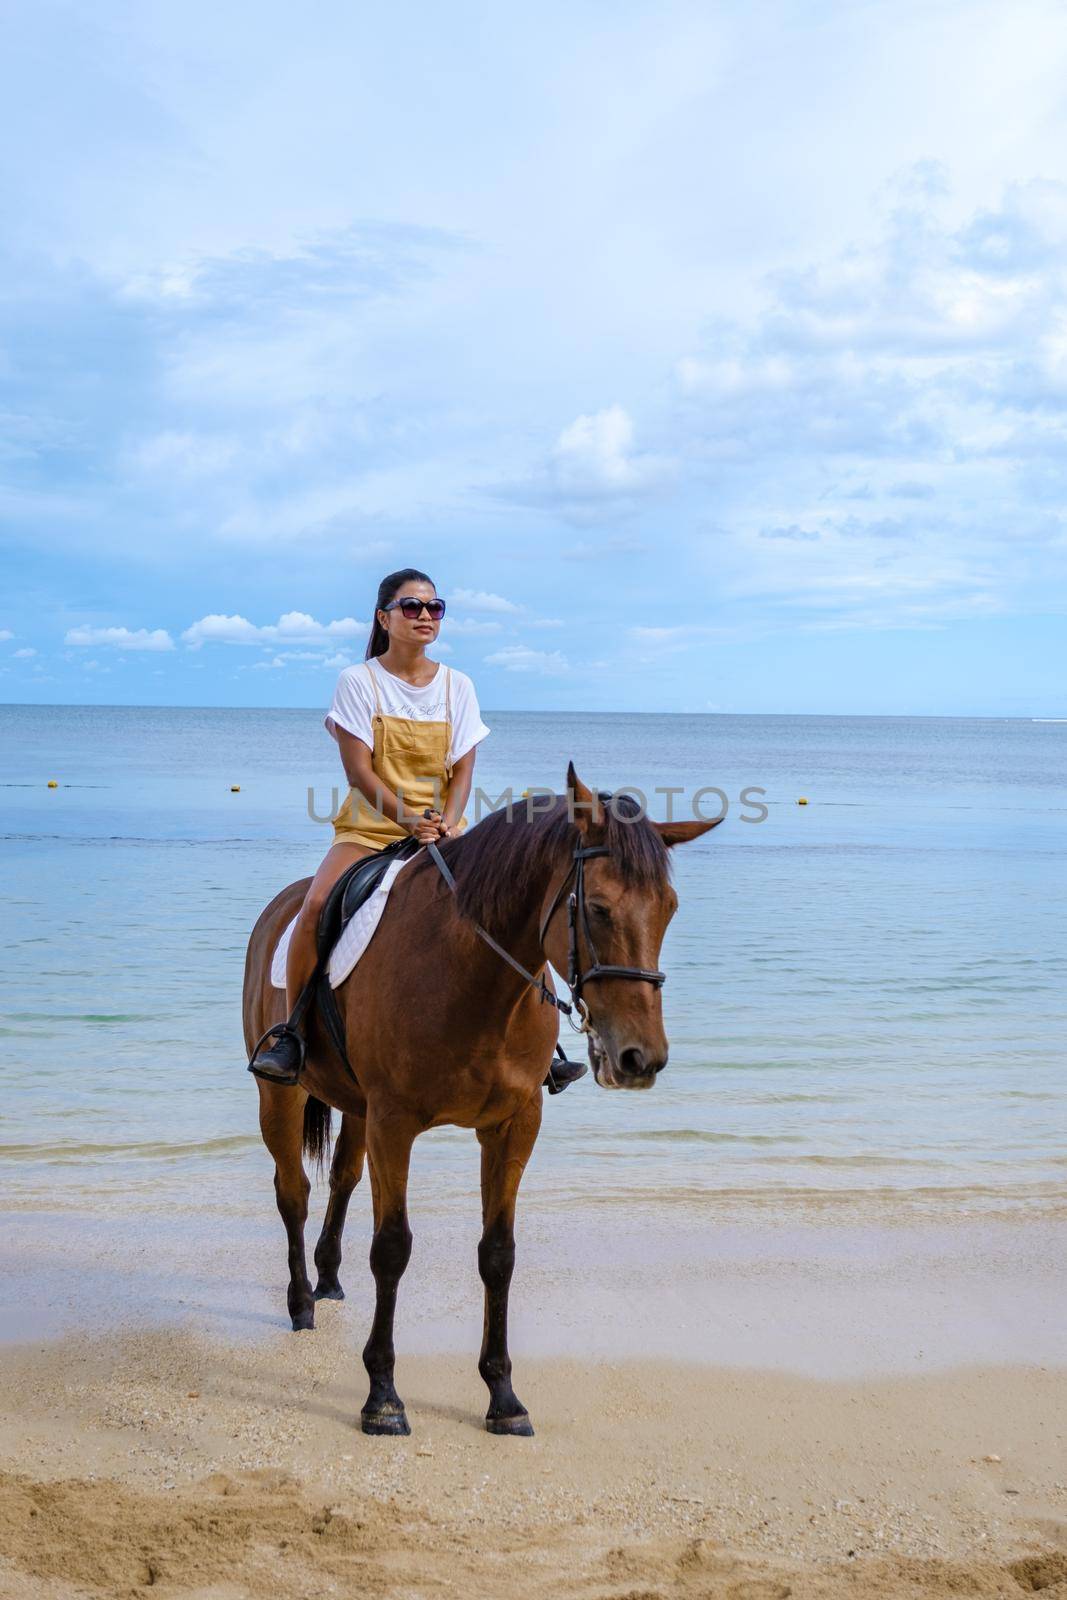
{"x":122,"y":638}
{"x":5,"y":633}
{"x":479,"y":600}
{"x":593,"y":471}
{"x":596,"y":449}
{"x":295,"y":627}
{"x":922,"y":372}
{"x":521,"y":658}
{"x":595,"y":455}
{"x":24,"y":654}
{"x":310,"y":658}
{"x":470,"y":624}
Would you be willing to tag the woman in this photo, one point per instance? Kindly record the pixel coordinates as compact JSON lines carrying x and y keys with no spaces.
{"x":402,"y":722}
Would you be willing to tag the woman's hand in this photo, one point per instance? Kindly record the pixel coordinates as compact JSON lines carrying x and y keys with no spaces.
{"x":426,"y":829}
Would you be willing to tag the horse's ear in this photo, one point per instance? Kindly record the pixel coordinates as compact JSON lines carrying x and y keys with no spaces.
{"x":682,"y":832}
{"x":587,"y":806}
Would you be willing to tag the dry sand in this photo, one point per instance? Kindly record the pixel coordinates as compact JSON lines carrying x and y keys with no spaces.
{"x":224,"y":1468}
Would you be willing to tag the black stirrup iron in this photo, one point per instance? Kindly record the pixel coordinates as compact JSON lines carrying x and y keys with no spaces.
{"x":272,"y":1066}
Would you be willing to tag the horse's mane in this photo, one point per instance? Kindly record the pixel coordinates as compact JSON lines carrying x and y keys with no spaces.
{"x":499,"y":862}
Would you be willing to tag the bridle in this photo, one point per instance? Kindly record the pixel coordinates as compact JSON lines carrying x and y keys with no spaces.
{"x":576,"y":914}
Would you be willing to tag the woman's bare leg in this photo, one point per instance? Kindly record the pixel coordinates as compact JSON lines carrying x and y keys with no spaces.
{"x":280,"y":1062}
{"x":300,"y":961}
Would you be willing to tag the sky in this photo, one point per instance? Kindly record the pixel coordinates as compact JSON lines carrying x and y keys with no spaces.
{"x":708,"y":357}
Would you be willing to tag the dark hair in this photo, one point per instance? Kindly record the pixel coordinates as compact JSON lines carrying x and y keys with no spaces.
{"x":378,"y":643}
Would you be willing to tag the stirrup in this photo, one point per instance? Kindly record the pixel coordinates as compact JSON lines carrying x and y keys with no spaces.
{"x":281,"y":1030}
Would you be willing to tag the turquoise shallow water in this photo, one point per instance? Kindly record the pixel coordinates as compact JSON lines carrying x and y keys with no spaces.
{"x":866,"y":997}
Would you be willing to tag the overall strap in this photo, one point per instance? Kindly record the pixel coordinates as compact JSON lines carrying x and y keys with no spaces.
{"x":377,"y":696}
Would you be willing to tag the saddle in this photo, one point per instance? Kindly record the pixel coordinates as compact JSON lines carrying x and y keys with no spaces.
{"x":351,"y":889}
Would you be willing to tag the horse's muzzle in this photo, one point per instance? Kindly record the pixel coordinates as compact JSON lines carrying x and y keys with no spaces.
{"x":632,"y":1069}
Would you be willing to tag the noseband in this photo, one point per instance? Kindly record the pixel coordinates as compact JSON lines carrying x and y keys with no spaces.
{"x":576,"y":913}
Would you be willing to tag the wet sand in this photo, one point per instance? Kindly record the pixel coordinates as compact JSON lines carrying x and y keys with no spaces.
{"x":880,"y":1291}
{"x":864,"y":1409}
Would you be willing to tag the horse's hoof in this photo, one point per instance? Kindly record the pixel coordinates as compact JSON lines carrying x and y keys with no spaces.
{"x":382,"y":1424}
{"x":329,"y":1291}
{"x":304,"y":1320}
{"x":518,"y":1427}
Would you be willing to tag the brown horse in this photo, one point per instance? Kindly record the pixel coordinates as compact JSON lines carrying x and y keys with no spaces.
{"x":440,"y":1029}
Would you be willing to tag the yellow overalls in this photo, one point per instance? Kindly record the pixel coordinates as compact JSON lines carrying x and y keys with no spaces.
{"x":408,"y":756}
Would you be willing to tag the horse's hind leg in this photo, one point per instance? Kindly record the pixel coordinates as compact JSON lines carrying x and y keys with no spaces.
{"x":505,"y":1152}
{"x":281,"y":1122}
{"x":345,"y":1173}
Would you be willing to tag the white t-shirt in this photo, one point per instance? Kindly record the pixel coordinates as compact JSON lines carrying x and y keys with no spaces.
{"x":353,"y":704}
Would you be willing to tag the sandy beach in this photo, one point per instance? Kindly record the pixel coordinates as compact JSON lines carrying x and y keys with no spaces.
{"x":867,"y":1444}
{"x":201,"y":1469}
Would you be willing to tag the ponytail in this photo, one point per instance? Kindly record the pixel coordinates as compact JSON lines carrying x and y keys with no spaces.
{"x":378,"y":643}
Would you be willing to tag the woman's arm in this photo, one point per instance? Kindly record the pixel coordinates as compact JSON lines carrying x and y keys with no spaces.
{"x":356,"y":760}
{"x":459,"y":789}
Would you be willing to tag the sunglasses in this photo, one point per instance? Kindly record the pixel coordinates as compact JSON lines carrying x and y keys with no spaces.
{"x":410,"y":607}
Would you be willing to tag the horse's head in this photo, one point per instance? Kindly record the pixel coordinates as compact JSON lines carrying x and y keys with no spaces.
{"x":628,"y":902}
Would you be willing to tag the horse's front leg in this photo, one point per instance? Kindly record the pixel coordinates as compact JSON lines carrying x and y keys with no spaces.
{"x":505,"y":1152}
{"x":281,"y":1122}
{"x":345,"y":1172}
{"x":389,"y":1141}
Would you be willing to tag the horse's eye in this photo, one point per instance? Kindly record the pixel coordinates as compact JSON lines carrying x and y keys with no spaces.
{"x":600,"y":910}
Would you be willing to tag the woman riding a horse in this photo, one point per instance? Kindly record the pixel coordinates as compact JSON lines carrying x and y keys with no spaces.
{"x":407,"y":729}
{"x":447,"y":1018}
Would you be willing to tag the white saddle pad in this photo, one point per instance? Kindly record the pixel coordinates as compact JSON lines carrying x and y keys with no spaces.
{"x":356,"y":937}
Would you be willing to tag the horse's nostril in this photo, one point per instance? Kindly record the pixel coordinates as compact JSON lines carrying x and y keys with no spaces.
{"x":632,"y":1062}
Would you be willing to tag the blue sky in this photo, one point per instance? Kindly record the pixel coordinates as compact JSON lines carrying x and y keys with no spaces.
{"x":708,"y":356}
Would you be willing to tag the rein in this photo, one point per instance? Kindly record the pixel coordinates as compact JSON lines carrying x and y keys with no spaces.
{"x":576,"y":913}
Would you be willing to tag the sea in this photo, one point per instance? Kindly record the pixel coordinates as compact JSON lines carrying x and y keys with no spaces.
{"x":866,"y":994}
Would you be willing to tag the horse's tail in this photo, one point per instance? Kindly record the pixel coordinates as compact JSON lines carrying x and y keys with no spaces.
{"x":316,"y":1131}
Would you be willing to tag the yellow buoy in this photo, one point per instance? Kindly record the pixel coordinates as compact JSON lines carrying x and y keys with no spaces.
{"x":52,"y":784}
{"x":235,"y":788}
{"x":802,"y":801}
